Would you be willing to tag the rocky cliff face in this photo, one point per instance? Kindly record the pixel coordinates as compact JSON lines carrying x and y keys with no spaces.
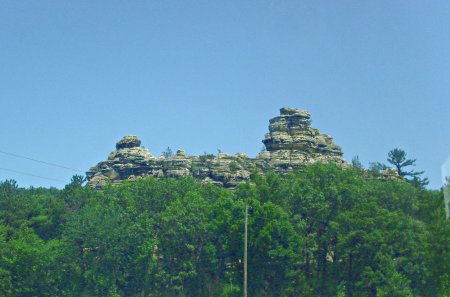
{"x":291,"y":144}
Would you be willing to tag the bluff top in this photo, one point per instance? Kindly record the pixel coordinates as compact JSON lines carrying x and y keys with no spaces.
{"x":291,"y":144}
{"x":294,"y":111}
{"x":128,"y":141}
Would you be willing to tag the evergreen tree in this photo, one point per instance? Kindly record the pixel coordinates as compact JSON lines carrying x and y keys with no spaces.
{"x":398,"y":158}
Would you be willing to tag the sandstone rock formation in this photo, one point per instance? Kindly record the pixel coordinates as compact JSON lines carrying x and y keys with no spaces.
{"x":291,"y":144}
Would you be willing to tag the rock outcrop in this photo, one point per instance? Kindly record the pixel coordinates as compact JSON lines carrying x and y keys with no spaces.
{"x":290,"y":144}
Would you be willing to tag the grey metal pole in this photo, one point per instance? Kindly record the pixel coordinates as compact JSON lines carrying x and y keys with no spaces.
{"x":245,"y":251}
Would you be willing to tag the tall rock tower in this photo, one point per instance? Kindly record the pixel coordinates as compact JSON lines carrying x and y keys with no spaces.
{"x":293,"y":143}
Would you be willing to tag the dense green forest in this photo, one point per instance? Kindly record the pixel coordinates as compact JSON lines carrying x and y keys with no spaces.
{"x":324,"y":231}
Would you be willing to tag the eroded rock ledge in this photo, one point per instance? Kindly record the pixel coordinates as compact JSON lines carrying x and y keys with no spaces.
{"x":290,"y":144}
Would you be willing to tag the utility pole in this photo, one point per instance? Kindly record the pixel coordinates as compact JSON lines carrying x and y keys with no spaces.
{"x":245,"y":251}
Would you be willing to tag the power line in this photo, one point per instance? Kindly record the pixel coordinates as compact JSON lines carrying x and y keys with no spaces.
{"x":33,"y":175}
{"x":39,"y":161}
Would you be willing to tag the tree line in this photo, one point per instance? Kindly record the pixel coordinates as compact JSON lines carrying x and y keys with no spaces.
{"x":323,"y":231}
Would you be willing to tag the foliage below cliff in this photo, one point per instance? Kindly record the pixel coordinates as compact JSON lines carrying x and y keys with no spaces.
{"x":325,"y":231}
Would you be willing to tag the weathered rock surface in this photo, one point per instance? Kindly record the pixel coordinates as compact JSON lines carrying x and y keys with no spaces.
{"x":128,"y":142}
{"x":291,"y":144}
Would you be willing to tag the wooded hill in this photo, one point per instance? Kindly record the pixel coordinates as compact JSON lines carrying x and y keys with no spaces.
{"x":324,"y":231}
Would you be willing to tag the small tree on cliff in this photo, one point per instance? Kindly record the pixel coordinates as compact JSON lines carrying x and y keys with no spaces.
{"x":168,"y":153}
{"x":397,"y":157}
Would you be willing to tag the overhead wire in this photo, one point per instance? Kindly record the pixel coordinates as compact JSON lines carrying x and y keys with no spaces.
{"x":39,"y":161}
{"x":33,"y":175}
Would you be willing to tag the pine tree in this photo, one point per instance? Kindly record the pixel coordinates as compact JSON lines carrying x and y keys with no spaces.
{"x":397,"y":157}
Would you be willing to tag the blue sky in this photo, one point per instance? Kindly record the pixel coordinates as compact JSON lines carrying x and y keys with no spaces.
{"x":75,"y":76}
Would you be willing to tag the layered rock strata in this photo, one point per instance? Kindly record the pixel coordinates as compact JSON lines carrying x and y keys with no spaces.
{"x":290,"y":144}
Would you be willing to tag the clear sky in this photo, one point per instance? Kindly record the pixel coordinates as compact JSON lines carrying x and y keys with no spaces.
{"x":75,"y":76}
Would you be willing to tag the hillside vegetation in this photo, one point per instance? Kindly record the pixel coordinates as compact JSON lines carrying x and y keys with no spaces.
{"x":324,"y":231}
